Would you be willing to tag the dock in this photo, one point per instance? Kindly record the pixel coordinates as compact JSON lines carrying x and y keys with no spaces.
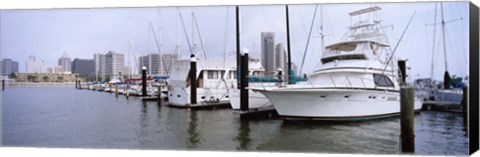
{"x":444,"y":107}
{"x":262,"y":113}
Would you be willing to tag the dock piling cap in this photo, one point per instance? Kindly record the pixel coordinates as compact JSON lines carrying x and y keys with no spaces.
{"x":192,"y":58}
{"x":144,"y":68}
{"x":402,"y":59}
{"x":244,"y":51}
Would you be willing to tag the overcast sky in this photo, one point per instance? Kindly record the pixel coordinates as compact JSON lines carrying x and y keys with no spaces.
{"x":80,"y":33}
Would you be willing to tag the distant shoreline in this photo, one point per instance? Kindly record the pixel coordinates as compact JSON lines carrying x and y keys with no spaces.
{"x":39,"y":84}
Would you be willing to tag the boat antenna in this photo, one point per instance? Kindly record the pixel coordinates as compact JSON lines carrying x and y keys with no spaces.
{"x":308,"y":40}
{"x":398,"y":43}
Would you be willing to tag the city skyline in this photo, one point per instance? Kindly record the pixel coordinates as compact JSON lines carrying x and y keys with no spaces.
{"x":100,"y":30}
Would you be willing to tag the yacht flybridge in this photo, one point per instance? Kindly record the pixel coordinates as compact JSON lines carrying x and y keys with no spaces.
{"x":353,"y":82}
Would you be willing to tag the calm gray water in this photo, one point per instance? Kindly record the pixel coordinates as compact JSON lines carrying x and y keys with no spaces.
{"x":65,"y":117}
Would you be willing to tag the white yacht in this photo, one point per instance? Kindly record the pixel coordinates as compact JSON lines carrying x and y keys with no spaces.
{"x":211,"y":89}
{"x":353,"y":81}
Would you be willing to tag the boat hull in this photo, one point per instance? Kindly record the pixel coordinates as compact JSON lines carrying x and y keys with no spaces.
{"x":335,"y":104}
{"x":180,"y":96}
{"x":256,"y":100}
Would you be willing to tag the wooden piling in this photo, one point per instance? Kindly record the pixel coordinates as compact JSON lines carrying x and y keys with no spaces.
{"x":3,"y":85}
{"x":144,"y":81}
{"x":127,"y":93}
{"x":116,"y":91}
{"x":159,"y":98}
{"x":76,"y":84}
{"x":110,"y":86}
{"x":193,"y":79}
{"x":406,"y":119}
{"x":79,"y":84}
{"x":403,"y":71}
{"x":244,"y":81}
{"x":465,"y":107}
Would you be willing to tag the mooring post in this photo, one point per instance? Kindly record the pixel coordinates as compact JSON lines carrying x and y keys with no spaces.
{"x":193,"y":79}
{"x":111,"y":90}
{"x":79,"y":84}
{"x":76,"y":84}
{"x":127,"y":93}
{"x":407,"y":134}
{"x":244,"y":80}
{"x":3,"y":84}
{"x":159,"y":98}
{"x":465,"y":107}
{"x":402,"y":67}
{"x":144,"y":81}
{"x":116,"y":91}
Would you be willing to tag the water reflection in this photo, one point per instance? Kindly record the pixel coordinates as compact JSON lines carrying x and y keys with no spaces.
{"x":243,"y":138}
{"x":192,"y":131}
{"x":143,"y":123}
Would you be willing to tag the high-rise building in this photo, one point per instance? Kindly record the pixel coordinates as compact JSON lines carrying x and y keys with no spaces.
{"x":151,"y":62}
{"x":157,"y":65}
{"x":268,"y":52}
{"x":9,"y":66}
{"x":114,"y":64}
{"x":99,"y":60}
{"x":66,"y":63}
{"x":34,"y":66}
{"x":84,"y":67}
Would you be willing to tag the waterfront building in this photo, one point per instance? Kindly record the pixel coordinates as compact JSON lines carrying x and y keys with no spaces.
{"x":34,"y":66}
{"x":268,"y":53}
{"x":9,"y":66}
{"x":66,"y":63}
{"x":46,"y":77}
{"x":114,"y":64}
{"x":84,"y":67}
{"x":156,"y":64}
{"x":99,"y":60}
{"x":56,"y":69}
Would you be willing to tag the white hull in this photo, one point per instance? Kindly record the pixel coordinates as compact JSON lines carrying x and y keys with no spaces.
{"x":179,"y":96}
{"x":256,"y":100}
{"x":335,"y":104}
{"x":448,"y":96}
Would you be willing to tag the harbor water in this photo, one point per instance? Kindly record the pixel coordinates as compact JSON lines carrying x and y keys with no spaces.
{"x":64,"y":117}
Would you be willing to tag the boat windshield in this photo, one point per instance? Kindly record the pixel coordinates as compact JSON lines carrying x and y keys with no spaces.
{"x":346,"y":51}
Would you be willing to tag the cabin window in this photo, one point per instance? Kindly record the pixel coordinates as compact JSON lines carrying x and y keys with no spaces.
{"x":222,"y":74}
{"x":382,"y":81}
{"x":232,"y":74}
{"x":212,"y":74}
{"x":343,"y":57}
{"x":256,"y":73}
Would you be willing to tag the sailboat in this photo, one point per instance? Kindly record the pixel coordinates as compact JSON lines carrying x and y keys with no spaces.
{"x":442,"y":94}
{"x":352,"y":82}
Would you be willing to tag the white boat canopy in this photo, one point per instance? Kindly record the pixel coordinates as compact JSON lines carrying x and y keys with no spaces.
{"x":363,"y":11}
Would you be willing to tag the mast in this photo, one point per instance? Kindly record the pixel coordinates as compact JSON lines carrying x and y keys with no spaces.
{"x":322,"y":35}
{"x":443,"y":37}
{"x":446,"y":76}
{"x":308,"y":40}
{"x":238,"y":37}
{"x":433,"y":46}
{"x":193,"y":34}
{"x":289,"y":64}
